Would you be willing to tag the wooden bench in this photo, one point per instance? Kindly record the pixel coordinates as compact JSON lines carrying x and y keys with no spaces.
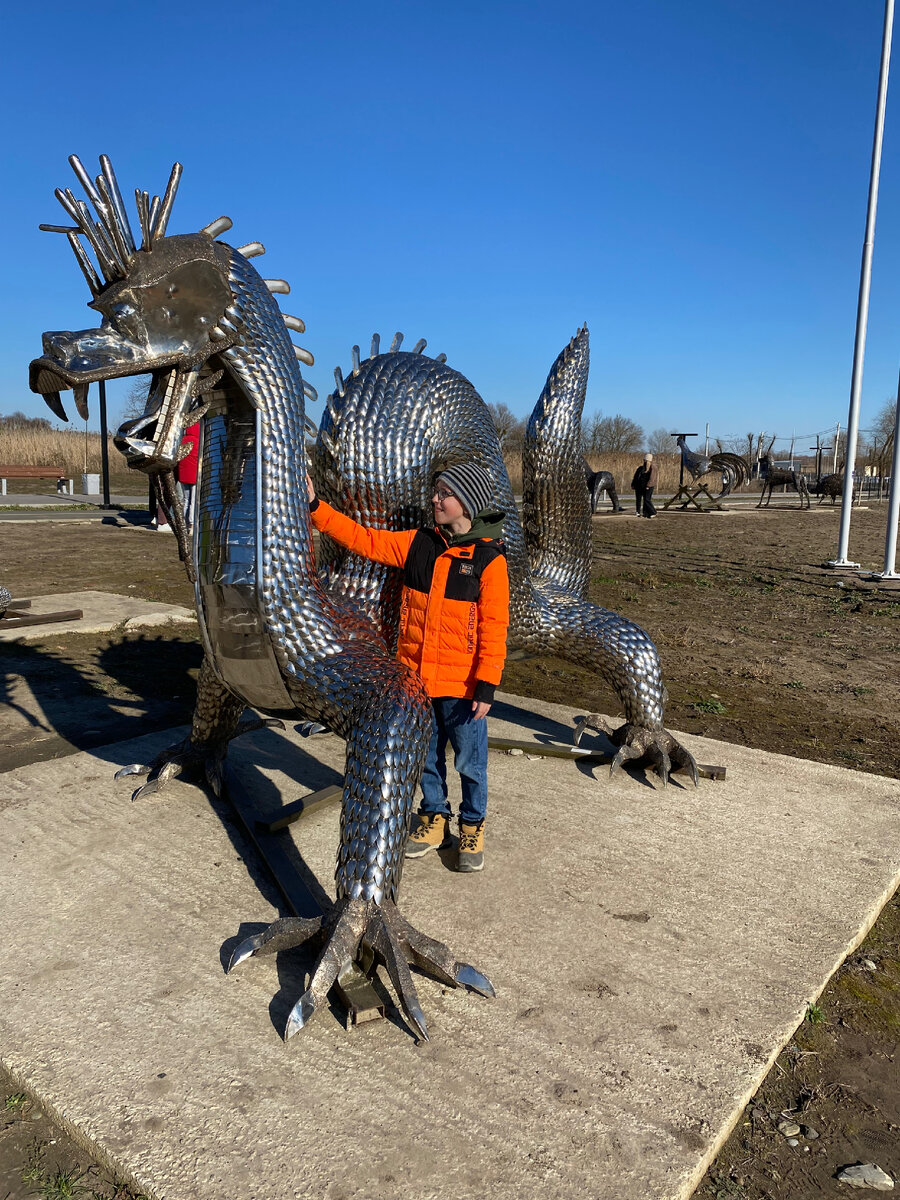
{"x":19,"y":472}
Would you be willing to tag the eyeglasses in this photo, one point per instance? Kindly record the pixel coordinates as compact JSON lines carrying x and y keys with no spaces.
{"x":442,"y":494}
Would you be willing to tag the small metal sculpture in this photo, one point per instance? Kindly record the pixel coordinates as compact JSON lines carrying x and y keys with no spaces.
{"x":830,"y":485}
{"x":279,"y":636}
{"x":600,"y":483}
{"x":779,"y":476}
{"x":732,"y":467}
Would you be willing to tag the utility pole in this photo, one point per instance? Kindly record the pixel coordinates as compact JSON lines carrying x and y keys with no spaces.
{"x":706,"y":450}
{"x":862,"y":307}
{"x":837,"y":442}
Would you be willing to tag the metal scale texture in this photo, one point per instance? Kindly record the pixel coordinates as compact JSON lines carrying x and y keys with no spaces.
{"x":280,"y":635}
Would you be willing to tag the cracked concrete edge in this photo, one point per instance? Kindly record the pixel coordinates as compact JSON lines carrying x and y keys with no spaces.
{"x":691,"y":1184}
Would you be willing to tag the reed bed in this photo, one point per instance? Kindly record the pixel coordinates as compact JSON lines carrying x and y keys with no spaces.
{"x":76,"y":452}
{"x":622,"y":467}
{"x":73,"y":451}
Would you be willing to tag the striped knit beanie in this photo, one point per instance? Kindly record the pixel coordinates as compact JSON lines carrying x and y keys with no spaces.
{"x":471,"y":485}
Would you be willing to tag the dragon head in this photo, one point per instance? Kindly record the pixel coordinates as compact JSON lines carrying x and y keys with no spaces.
{"x":166,"y":308}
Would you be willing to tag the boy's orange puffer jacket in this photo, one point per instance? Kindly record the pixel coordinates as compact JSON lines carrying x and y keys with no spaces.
{"x":454,"y":610}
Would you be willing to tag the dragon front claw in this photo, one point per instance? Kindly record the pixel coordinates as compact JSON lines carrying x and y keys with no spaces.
{"x":636,"y":743}
{"x":205,"y":759}
{"x":368,"y":933}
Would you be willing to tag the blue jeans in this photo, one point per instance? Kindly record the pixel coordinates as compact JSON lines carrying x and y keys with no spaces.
{"x":453,"y":722}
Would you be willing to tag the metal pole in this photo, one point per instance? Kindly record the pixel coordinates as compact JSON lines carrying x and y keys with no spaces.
{"x":706,"y":451}
{"x":862,"y":309}
{"x":837,"y":439}
{"x":104,"y":448}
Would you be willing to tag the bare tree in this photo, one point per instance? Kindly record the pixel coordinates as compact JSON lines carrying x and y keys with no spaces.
{"x":510,"y":428}
{"x":660,"y":441}
{"x":611,"y":435}
{"x":136,"y":397}
{"x":878,"y":446}
{"x":18,"y":420}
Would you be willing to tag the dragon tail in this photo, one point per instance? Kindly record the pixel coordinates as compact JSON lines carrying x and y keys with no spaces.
{"x":556,"y":505}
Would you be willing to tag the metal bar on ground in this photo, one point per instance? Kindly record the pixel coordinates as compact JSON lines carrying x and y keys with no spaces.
{"x":295,"y":810}
{"x":14,"y":620}
{"x":584,"y":754}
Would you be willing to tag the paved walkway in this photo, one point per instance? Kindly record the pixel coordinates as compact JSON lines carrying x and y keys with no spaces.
{"x":652,"y":952}
{"x":30,"y":506}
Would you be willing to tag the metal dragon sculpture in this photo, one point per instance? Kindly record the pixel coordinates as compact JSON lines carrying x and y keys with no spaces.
{"x":734,"y":469}
{"x":281,"y":633}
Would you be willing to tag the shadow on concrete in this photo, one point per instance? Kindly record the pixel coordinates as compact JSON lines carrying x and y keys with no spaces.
{"x":130,"y":688}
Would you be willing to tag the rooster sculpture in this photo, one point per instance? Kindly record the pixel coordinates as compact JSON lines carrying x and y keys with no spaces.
{"x":734,"y":469}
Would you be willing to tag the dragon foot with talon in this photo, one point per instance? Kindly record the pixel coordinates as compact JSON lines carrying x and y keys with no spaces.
{"x":204,"y":760}
{"x":636,"y":744}
{"x":367,"y":932}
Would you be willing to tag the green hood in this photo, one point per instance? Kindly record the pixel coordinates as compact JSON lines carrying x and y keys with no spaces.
{"x":488,"y":524}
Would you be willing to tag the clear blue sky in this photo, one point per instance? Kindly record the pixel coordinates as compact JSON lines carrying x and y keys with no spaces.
{"x":688,"y":178}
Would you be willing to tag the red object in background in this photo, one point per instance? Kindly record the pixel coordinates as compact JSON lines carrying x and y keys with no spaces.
{"x":186,"y":471}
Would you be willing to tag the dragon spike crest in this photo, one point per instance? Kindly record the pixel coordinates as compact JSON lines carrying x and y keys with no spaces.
{"x":110,"y":235}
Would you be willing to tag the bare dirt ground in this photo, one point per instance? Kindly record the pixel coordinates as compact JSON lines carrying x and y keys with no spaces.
{"x":759,"y":646}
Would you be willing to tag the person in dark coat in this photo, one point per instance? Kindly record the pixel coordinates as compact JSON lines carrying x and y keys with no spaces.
{"x":644,"y":481}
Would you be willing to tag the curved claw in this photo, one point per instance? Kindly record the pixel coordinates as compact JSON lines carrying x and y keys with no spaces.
{"x":283,"y":934}
{"x":301,"y":1014}
{"x":159,"y":779}
{"x":468,"y":977}
{"x":655,"y":746}
{"x":132,"y":769}
{"x":684,"y":758}
{"x":387,"y":945}
{"x":624,"y":754}
{"x":592,"y":721}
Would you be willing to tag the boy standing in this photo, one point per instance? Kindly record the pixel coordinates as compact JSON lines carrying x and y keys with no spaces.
{"x":454,"y":614}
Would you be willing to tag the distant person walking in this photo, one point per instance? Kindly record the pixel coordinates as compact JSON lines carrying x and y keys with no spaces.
{"x":644,"y":481}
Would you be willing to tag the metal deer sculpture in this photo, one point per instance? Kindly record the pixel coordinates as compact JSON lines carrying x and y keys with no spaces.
{"x":734,"y":469}
{"x":281,"y":635}
{"x":777,"y":476}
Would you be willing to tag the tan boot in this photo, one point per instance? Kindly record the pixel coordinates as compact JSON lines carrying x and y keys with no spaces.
{"x":431,"y":833}
{"x":471,"y":847}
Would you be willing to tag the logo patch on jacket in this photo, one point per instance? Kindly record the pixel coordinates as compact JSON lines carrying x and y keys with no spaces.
{"x":465,"y":568}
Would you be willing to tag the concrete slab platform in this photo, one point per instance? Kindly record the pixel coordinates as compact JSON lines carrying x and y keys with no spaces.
{"x":652,"y":952}
{"x":102,"y":611}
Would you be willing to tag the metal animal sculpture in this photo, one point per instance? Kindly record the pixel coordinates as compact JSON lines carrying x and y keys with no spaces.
{"x":830,"y":485}
{"x":776,"y":477}
{"x":600,"y":482}
{"x":732,"y":467}
{"x":280,"y":636}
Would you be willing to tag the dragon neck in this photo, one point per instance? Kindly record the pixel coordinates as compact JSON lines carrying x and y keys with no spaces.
{"x":265,"y":366}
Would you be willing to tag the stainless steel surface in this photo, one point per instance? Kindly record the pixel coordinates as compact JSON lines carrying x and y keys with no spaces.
{"x":158,"y":228}
{"x":281,"y":636}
